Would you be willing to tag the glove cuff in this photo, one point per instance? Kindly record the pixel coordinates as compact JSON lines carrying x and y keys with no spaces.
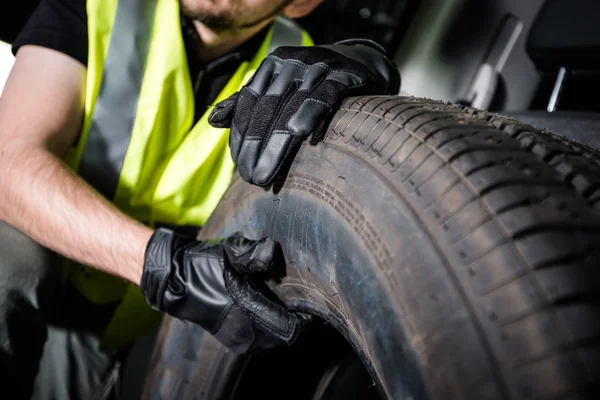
{"x":363,"y":42}
{"x":157,"y":267}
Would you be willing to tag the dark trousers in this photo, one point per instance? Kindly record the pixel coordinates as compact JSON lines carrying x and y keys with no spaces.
{"x":49,"y":333}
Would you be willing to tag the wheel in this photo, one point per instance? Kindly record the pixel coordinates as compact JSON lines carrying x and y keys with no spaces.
{"x":449,"y":253}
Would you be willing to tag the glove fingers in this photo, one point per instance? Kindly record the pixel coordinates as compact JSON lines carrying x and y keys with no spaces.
{"x":277,"y":156}
{"x":259,"y":122}
{"x":244,"y":147}
{"x":253,"y":257}
{"x":222,"y":113}
{"x":288,"y":74}
{"x":264,"y":309}
{"x":317,"y":106}
{"x":383,"y":72}
{"x":261,"y":80}
{"x":261,"y":127}
{"x":246,"y":102}
{"x":280,"y":148}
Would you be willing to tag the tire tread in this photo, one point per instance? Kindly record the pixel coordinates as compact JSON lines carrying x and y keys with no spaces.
{"x":519,"y":207}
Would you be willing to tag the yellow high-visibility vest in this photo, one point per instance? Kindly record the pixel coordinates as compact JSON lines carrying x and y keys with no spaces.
{"x":138,"y":145}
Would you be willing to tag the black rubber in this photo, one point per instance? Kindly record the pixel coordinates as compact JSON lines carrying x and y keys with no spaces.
{"x":456,"y":250}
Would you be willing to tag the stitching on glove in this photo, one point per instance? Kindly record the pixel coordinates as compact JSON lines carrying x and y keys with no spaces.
{"x":291,"y":148}
{"x":319,"y":102}
{"x":321,"y":64}
{"x":248,"y":88}
{"x":253,"y":315}
{"x":287,"y":335}
{"x":354,"y":87}
{"x":332,"y":77}
{"x":222,"y":317}
{"x":290,"y":61}
{"x":283,"y":102}
{"x":289,"y":332}
{"x":208,"y":256}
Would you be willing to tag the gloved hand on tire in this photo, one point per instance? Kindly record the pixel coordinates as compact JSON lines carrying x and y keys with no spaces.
{"x":291,"y":94}
{"x":219,"y":285}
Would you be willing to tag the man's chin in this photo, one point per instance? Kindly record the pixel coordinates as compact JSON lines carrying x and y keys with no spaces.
{"x":229,"y":20}
{"x":216,"y":23}
{"x":211,"y":18}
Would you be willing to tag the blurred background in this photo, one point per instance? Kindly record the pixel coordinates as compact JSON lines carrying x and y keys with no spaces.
{"x":6,"y":62}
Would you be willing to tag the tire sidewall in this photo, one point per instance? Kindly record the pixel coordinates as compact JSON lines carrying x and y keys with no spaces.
{"x":359,"y":257}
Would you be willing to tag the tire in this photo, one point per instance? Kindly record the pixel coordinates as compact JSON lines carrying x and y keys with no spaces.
{"x":456,"y":250}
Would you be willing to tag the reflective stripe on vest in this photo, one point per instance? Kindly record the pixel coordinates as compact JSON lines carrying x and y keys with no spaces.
{"x":138,"y":146}
{"x":115,"y":108}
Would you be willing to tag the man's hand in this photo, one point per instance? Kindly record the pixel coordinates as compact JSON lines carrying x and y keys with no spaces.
{"x":219,"y":285}
{"x":292,"y":93}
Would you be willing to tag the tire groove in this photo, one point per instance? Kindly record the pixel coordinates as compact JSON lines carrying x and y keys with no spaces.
{"x":508,"y":132}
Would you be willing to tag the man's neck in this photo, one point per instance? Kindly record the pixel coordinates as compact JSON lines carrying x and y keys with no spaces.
{"x":214,"y":45}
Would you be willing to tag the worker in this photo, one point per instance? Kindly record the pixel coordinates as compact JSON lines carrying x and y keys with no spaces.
{"x":121,"y":125}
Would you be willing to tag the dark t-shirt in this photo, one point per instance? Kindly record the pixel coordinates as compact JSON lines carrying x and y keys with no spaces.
{"x":62,"y":25}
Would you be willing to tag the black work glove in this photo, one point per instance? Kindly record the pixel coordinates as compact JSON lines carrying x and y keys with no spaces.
{"x":219,"y":285}
{"x":292,"y":93}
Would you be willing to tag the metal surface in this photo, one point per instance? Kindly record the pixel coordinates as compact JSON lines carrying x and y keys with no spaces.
{"x":560,"y":78}
{"x":448,"y":41}
{"x":488,"y":78}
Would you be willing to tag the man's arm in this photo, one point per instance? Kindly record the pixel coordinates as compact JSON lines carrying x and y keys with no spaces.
{"x":41,"y":113}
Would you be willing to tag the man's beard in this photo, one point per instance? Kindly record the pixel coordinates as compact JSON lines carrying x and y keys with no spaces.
{"x":217,"y":22}
{"x":229,"y":20}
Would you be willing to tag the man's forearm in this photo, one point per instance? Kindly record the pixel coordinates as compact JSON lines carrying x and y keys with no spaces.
{"x":46,"y":200}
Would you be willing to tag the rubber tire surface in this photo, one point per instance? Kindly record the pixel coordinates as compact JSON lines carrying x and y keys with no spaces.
{"x":456,"y":249}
